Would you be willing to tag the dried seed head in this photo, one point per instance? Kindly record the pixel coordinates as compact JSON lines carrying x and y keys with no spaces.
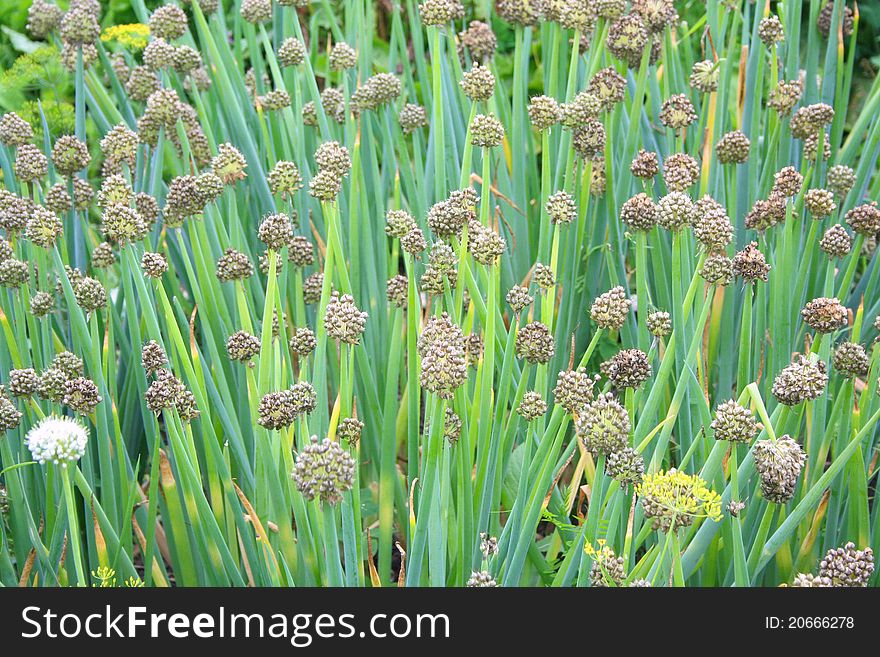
{"x":811,"y":148}
{"x":444,"y":364}
{"x":574,"y":389}
{"x":397,"y":290}
{"x":766,"y":213}
{"x":717,"y":269}
{"x":90,"y":294}
{"x":659,"y":323}
{"x":733,"y":148}
{"x":626,"y":466}
{"x":784,"y":96}
{"x":473,"y":346}
{"x":291,"y":52}
{"x":645,"y":164}
{"x":234,"y":265}
{"x":324,"y":471}
{"x":14,"y":130}
{"x":168,"y":22}
{"x":608,"y":86}
{"x":414,"y":242}
{"x":451,"y":426}
{"x":750,"y":264}
{"x":302,"y":341}
{"x":301,"y":252}
{"x":704,"y":76}
{"x":850,"y":359}
{"x":819,"y":203}
{"x":43,"y":18}
{"x":478,"y":83}
{"x":846,"y":566}
{"x":229,"y":164}
{"x":10,"y":416}
{"x":342,"y":56}
{"x":44,"y":227}
{"x":333,"y":157}
{"x":610,"y":309}
{"x":256,"y":11}
{"x":770,"y":31}
{"x":30,"y":164}
{"x":713,"y":229}
{"x":521,"y":12}
{"x":81,"y":395}
{"x":325,"y":185}
{"x":800,"y":381}
{"x":342,"y":319}
{"x":440,"y":12}
{"x":518,"y":298}
{"x":486,"y":131}
{"x":448,"y":218}
{"x":607,"y":569}
{"x":484,"y":244}
{"x":543,"y":276}
{"x":51,"y":385}
{"x":628,"y":368}
{"x":398,"y":223}
{"x":864,"y":219}
{"x":273,"y":101}
{"x":162,"y":393}
{"x":734,"y":423}
{"x":121,"y":224}
{"x":241,"y":346}
{"x":532,"y":406}
{"x":603,"y":425}
{"x":42,"y":303}
{"x":483,"y":578}
{"x":544,"y":112}
{"x":824,"y":315}
{"x":13,"y":273}
{"x":779,"y":465}
{"x":627,"y":39}
{"x":841,"y":179}
{"x":640,"y":212}
{"x":275,"y":231}
{"x":103,"y":256}
{"x":534,"y":343}
{"x":70,"y":155}
{"x":836,"y":242}
{"x":584,"y":107}
{"x":159,"y":54}
{"x":808,"y":580}
{"x":680,"y":171}
{"x":22,"y":382}
{"x":561,"y":207}
{"x":349,"y":430}
{"x":313,"y":285}
{"x":412,"y":117}
{"x":153,"y":357}
{"x":79,"y":25}
{"x":479,"y":40}
{"x":588,"y":140}
{"x":826,"y":15}
{"x":676,"y":210}
{"x":69,"y":363}
{"x":677,"y":112}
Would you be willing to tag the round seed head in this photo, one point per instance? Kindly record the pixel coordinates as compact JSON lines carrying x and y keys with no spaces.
{"x":274,"y":101}
{"x":850,"y":359}
{"x":532,"y":406}
{"x":811,"y":148}
{"x":607,"y":569}
{"x":14,"y":130}
{"x":10,"y":416}
{"x":588,"y":140}
{"x":412,"y":117}
{"x":484,"y":244}
{"x":70,"y":155}
{"x":256,"y":11}
{"x":521,"y":12}
{"x":444,"y":364}
{"x":43,"y":227}
{"x":639,"y":212}
{"x":234,"y":265}
{"x":478,"y":40}
{"x":680,"y":171}
{"x":675,"y":211}
{"x":713,"y":229}
{"x":826,"y":15}
{"x":30,"y":164}
{"x":717,"y":269}
{"x":81,"y":395}
{"x":478,"y":83}
{"x":162,"y":393}
{"x":808,"y":580}
{"x":486,"y":131}
{"x":342,"y":56}
{"x":451,"y":426}
{"x":447,"y":218}
{"x":779,"y":465}
{"x":350,"y":430}
{"x":153,"y":357}
{"x":659,"y":323}
{"x":819,"y":203}
{"x":42,"y":303}
{"x":734,"y":423}
{"x":627,"y":39}
{"x":561,"y":207}
{"x":483,"y":578}
{"x":846,"y":566}
{"x":610,"y":309}
{"x":440,"y":12}
{"x":582,"y":108}
{"x":836,"y":242}
{"x":770,"y":31}
{"x":534,"y":343}
{"x":544,"y":112}
{"x":229,"y":164}
{"x":241,"y":346}
{"x":312,"y":287}
{"x":334,"y":157}
{"x":784,"y":96}
{"x":733,"y":148}
{"x":626,"y":466}
{"x":414,"y":242}
{"x":766,"y":213}
{"x":275,"y":231}
{"x":864,"y":219}
{"x":397,"y":291}
{"x":103,"y":256}
{"x":603,"y":425}
{"x":841,"y":179}
{"x":574,"y":389}
{"x":608,"y":86}
{"x":79,"y":25}
{"x":168,"y":22}
{"x":677,"y":112}
{"x":645,"y":164}
{"x":342,"y":319}
{"x":22,"y":382}
{"x":704,"y":76}
{"x":824,"y":315}
{"x":398,"y":223}
{"x":302,"y":341}
{"x":800,"y":381}
{"x":51,"y":385}
{"x":291,"y":52}
{"x":13,"y":273}
{"x":324,"y":471}
{"x":750,"y":264}
{"x":518,"y":298}
{"x":90,"y":294}
{"x":628,"y":368}
{"x":43,"y":18}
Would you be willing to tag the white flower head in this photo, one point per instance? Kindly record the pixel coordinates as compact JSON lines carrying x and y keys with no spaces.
{"x":58,"y":440}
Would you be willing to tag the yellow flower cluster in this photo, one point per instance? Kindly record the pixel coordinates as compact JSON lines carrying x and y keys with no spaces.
{"x":131,"y":35}
{"x":674,"y":494}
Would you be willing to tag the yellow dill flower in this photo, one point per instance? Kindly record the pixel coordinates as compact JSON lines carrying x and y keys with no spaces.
{"x":673,"y":499}
{"x":106,"y":577}
{"x":131,"y":35}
